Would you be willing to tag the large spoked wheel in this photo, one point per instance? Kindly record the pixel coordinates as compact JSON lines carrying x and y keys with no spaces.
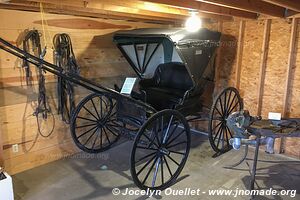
{"x":227,"y":102}
{"x":94,"y":126}
{"x":160,"y":150}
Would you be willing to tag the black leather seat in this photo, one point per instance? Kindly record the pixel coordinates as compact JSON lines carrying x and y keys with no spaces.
{"x":168,"y":85}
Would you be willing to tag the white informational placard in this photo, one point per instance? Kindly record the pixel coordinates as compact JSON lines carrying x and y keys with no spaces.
{"x":274,"y":116}
{"x":6,"y":188}
{"x":128,"y":85}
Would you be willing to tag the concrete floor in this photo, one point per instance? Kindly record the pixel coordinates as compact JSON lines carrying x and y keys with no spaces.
{"x":83,"y":177}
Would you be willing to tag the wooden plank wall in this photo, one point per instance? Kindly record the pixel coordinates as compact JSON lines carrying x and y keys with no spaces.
{"x":98,"y":58}
{"x":267,"y":60}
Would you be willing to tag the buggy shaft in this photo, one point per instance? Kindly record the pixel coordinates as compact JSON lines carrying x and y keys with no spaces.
{"x":49,"y":67}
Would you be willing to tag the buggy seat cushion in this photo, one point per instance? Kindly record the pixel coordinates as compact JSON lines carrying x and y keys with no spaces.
{"x":173,"y":75}
{"x":168,"y":85}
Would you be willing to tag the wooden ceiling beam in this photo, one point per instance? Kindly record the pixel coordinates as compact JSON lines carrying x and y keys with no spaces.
{"x":70,"y":10}
{"x":78,"y":5}
{"x":257,"y":6}
{"x":153,"y":7}
{"x":207,"y":8}
{"x":289,"y":4}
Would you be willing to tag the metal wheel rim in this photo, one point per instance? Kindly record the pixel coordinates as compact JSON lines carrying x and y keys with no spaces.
{"x":226,"y":102}
{"x":99,"y":126}
{"x":161,"y":168}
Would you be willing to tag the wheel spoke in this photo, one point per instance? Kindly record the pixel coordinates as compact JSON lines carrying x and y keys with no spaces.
{"x":114,"y":113}
{"x":235,"y":105}
{"x":173,"y":160}
{"x":162,"y":170}
{"x":145,"y":179}
{"x":167,"y":164}
{"x":144,"y":157}
{"x":105,"y":133}
{"x":217,"y":133}
{"x":86,"y":125}
{"x":147,"y":148}
{"x":226,"y":134}
{"x":90,"y":112}
{"x":217,"y":109}
{"x":179,"y":143}
{"x":95,"y":109}
{"x":219,"y":137}
{"x":101,"y":106}
{"x":86,"y":132}
{"x":217,"y":118}
{"x":229,"y":132}
{"x":151,"y":141}
{"x":176,"y":152}
{"x":167,"y":131}
{"x":95,"y":141}
{"x":232,"y":101}
{"x":223,"y":137}
{"x":230,"y":93}
{"x":216,"y":126}
{"x":147,"y":163}
{"x":177,"y":136}
{"x":101,"y":141}
{"x":113,"y":124}
{"x":156,"y":170}
{"x":86,"y":119}
{"x":111,"y":131}
{"x":173,"y":131}
{"x":91,"y":136}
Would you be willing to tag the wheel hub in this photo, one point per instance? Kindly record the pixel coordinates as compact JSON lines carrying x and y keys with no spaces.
{"x":164,"y":151}
{"x":100,"y":124}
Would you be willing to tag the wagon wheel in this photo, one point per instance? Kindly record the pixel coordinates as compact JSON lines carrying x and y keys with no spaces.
{"x":227,"y":102}
{"x":160,"y":150}
{"x":94,"y":126}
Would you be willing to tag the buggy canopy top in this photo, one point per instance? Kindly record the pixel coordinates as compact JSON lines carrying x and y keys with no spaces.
{"x":145,"y":49}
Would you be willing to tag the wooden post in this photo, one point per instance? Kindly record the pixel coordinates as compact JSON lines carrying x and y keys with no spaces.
{"x":262,"y":73}
{"x":291,"y":63}
{"x":239,"y":54}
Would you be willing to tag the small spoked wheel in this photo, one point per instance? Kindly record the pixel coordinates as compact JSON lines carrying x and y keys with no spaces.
{"x":227,"y":102}
{"x":94,"y":126}
{"x":160,"y":150}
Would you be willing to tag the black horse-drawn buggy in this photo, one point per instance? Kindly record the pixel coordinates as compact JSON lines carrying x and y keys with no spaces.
{"x":173,"y":69}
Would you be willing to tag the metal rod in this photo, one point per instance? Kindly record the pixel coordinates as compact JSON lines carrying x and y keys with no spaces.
{"x":148,"y":61}
{"x":145,"y":55}
{"x":137,"y":57}
{"x":129,"y":61}
{"x":254,"y":165}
